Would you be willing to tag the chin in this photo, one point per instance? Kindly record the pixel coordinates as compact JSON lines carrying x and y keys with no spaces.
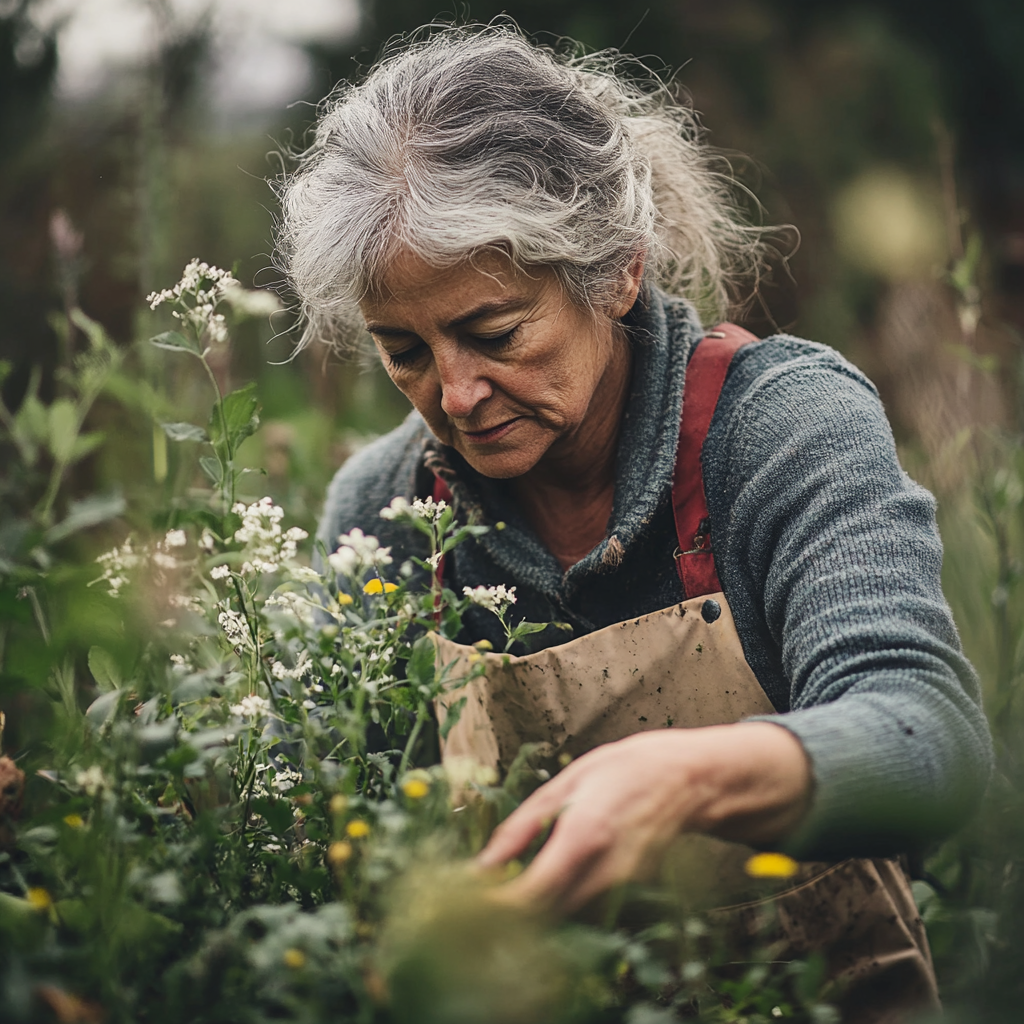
{"x":500,"y":465}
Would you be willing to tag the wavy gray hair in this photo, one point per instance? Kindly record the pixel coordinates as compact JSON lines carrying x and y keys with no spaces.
{"x":469,"y":138}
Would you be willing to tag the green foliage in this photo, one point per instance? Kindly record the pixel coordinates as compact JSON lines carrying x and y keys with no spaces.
{"x":234,"y":811}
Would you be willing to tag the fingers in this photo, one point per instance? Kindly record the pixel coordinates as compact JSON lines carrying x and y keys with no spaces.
{"x":523,"y":825}
{"x":583,"y":858}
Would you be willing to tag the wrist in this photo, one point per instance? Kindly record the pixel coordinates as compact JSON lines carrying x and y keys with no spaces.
{"x":749,"y":782}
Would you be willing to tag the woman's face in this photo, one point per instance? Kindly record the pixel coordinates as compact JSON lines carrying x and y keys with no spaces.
{"x":501,"y":364}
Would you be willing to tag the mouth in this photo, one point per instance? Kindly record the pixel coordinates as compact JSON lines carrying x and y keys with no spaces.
{"x":494,"y":433}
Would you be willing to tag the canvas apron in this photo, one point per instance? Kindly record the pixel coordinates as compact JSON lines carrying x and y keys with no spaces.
{"x":684,"y":667}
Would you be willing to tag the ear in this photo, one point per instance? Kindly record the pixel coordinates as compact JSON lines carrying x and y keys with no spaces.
{"x":632,"y":278}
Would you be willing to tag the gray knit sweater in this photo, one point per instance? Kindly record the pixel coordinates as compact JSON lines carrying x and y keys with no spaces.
{"x":827,"y":552}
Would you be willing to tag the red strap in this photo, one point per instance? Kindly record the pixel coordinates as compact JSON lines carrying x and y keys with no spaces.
{"x":705,"y":375}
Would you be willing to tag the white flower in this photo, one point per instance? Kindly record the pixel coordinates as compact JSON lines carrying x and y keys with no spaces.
{"x":92,"y":780}
{"x":265,"y":543}
{"x":399,"y":507}
{"x":336,"y":669}
{"x":116,"y":564}
{"x":309,"y":704}
{"x":177,"y":659}
{"x":164,"y":561}
{"x":175,"y":539}
{"x":428,"y":508}
{"x":303,"y":574}
{"x":358,"y":552}
{"x":207,"y":542}
{"x":494,"y":599}
{"x":435,"y":560}
{"x":252,"y":303}
{"x":251,"y":706}
{"x":285,"y":779}
{"x":281,"y":671}
{"x":220,"y":572}
{"x":235,"y":628}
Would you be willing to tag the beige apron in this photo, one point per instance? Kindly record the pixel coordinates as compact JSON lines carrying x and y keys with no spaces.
{"x":674,"y":669}
{"x":684,"y":667}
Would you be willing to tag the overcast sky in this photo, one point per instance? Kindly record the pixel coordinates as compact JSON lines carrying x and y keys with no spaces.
{"x":259,"y":62}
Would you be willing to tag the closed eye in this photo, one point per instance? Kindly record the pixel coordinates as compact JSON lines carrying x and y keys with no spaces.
{"x":407,"y":356}
{"x":497,"y":342}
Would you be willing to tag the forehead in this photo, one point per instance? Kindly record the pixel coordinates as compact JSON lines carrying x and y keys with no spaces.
{"x":410,"y":283}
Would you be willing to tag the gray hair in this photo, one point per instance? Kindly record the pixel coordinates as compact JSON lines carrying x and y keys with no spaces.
{"x":471,"y":138}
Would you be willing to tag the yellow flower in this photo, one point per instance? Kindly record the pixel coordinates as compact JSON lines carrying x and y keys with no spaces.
{"x":375,"y":586}
{"x":357,"y":829}
{"x":484,"y":645}
{"x":345,"y":599}
{"x":338,"y":853}
{"x":294,"y":958}
{"x":39,"y":899}
{"x":338,"y":803}
{"x":771,"y":865}
{"x":415,"y":789}
{"x":74,"y":820}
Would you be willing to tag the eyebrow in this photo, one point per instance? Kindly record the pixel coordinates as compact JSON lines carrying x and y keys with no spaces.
{"x":484,"y":309}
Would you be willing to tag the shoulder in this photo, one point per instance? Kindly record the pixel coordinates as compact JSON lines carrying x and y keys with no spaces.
{"x":384,"y":469}
{"x":786,"y":395}
{"x":785,"y":363}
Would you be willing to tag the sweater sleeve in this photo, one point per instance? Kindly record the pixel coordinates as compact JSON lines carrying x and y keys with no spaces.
{"x":830,"y":556}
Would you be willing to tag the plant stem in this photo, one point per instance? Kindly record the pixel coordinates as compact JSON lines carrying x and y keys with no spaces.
{"x":421,"y":717}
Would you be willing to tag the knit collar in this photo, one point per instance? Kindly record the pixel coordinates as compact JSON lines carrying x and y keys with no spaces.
{"x":662,"y":331}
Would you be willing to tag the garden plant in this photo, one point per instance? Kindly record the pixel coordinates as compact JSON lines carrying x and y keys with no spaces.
{"x":225,"y":801}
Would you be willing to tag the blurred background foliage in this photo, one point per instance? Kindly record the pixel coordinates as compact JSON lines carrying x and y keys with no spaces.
{"x":136,"y":134}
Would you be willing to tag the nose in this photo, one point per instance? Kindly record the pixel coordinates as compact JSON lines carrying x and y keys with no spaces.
{"x":463,"y":386}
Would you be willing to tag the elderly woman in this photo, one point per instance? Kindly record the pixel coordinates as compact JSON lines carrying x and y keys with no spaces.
{"x":760,"y":652}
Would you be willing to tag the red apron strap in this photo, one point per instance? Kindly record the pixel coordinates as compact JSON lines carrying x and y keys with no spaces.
{"x":705,"y":375}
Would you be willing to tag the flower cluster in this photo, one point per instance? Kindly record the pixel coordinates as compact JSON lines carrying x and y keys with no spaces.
{"x":266,"y":546}
{"x":421,"y":508}
{"x":357,"y":553}
{"x":494,"y":599}
{"x":235,"y":628}
{"x":206,"y":285}
{"x":251,"y":706}
{"x":117,"y":563}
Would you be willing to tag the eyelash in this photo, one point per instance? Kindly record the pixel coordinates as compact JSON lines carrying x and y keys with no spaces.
{"x":408,"y":356}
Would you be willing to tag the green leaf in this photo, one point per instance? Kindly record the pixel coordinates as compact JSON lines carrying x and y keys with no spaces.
{"x":86,"y":443}
{"x":104,"y":669}
{"x":211,"y":467}
{"x":526,"y":628}
{"x":184,"y":432}
{"x":103,"y":708}
{"x":175,"y":342}
{"x":454,"y":713}
{"x":279,"y":814}
{"x":420,"y":668}
{"x":62,"y":423}
{"x":85,"y":513}
{"x":237,"y":415}
{"x":98,"y":339}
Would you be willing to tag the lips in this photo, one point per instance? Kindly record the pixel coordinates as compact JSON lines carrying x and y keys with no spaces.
{"x":494,"y":433}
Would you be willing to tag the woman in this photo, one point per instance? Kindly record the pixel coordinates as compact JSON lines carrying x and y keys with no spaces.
{"x":520,"y":234}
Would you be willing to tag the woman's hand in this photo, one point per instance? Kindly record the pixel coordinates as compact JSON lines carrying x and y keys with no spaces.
{"x":619,"y":806}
